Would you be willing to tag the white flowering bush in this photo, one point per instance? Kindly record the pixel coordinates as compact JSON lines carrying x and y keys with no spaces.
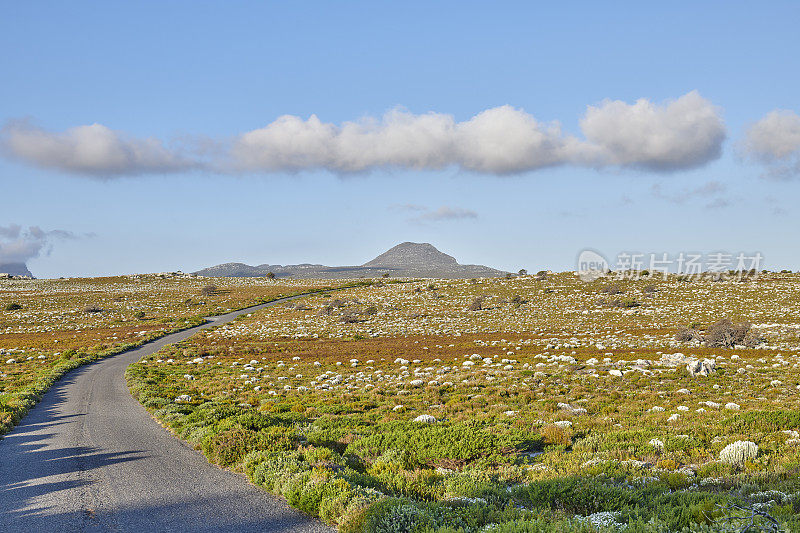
{"x":739,"y":452}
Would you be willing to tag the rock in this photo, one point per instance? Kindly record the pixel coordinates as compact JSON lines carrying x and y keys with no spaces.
{"x":674,"y":359}
{"x":11,"y":361}
{"x":737,"y":453}
{"x":563,"y":424}
{"x":425,"y":419}
{"x":701,"y":368}
{"x":617,"y":373}
{"x":732,"y":406}
{"x":657,"y":444}
{"x":183,"y":398}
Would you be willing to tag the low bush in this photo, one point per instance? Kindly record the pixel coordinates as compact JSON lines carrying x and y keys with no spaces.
{"x":726,"y":334}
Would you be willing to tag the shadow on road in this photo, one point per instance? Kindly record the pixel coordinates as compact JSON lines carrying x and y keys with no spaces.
{"x":31,"y":466}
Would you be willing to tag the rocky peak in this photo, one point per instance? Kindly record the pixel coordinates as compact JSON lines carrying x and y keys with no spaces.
{"x":412,"y":255}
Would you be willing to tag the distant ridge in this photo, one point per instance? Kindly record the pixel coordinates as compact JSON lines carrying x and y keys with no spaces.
{"x":15,"y":269}
{"x":406,"y":260}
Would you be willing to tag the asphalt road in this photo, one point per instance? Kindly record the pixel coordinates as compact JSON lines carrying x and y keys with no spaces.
{"x":89,"y":457}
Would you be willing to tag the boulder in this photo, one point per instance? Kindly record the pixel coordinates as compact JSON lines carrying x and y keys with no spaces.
{"x":701,"y":368}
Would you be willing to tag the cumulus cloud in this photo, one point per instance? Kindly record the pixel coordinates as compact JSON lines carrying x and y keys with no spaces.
{"x":676,"y":135}
{"x":775,"y":142}
{"x":505,"y":140}
{"x":18,"y":244}
{"x":680,"y":134}
{"x":92,"y":150}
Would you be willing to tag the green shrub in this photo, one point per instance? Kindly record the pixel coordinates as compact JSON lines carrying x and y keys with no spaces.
{"x":448,"y":445}
{"x":763,"y":421}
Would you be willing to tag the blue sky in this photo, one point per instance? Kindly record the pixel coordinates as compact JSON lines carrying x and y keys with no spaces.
{"x":203,"y":74}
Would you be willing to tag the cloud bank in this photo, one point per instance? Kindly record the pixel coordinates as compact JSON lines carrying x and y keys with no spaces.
{"x":675,"y":135}
{"x":19,"y":245}
{"x":774,"y":141}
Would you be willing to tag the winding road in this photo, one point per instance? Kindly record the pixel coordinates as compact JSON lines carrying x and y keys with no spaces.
{"x":90,"y":458}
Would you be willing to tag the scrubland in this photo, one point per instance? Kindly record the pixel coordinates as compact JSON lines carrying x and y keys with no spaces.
{"x":48,"y":327}
{"x":537,"y":403}
{"x":525,"y":404}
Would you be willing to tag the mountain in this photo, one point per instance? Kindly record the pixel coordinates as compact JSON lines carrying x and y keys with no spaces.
{"x":413,"y":255}
{"x":15,"y":269}
{"x":406,"y":260}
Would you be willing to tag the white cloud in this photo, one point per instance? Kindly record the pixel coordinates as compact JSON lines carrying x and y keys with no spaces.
{"x":707,"y":190}
{"x":18,"y":244}
{"x":447,"y":213}
{"x":680,"y":134}
{"x":500,"y":140}
{"x":399,"y":140}
{"x":288,"y":143}
{"x":506,"y":140}
{"x":92,"y":150}
{"x":443,"y":213}
{"x":775,"y":141}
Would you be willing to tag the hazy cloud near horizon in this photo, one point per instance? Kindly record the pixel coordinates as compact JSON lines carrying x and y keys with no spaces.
{"x":679,"y":134}
{"x":442,"y":213}
{"x":19,"y":244}
{"x":711,"y":191}
{"x":774,"y":141}
{"x":447,"y":213}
